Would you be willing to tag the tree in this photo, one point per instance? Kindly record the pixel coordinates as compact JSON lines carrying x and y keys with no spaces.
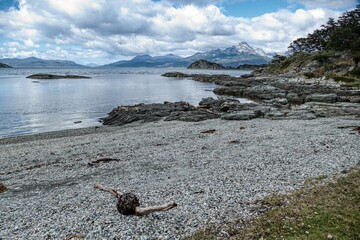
{"x":340,"y":35}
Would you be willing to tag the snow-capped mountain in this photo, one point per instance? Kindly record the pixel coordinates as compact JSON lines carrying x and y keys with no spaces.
{"x":233,"y":56}
{"x":244,"y":48}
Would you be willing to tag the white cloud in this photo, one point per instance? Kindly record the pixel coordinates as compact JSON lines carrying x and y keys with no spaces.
{"x":327,"y":3}
{"x":116,"y":28}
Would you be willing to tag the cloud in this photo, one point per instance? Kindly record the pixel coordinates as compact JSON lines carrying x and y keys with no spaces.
{"x":111,"y":29}
{"x":327,"y":3}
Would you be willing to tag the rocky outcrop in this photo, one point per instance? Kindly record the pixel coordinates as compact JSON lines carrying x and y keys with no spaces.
{"x":203,"y":64}
{"x":168,"y":111}
{"x":283,"y":95}
{"x":52,"y":76}
{"x":3,"y":65}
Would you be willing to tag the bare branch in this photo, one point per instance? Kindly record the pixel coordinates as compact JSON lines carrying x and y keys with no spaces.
{"x":147,"y":210}
{"x":113,"y":191}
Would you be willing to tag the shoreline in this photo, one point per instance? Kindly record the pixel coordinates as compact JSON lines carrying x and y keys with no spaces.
{"x":214,"y":176}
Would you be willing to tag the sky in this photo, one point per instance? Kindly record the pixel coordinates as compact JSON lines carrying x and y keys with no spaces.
{"x":104,"y":31}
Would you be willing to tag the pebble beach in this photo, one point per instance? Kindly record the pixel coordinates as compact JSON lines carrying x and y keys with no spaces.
{"x":214,"y":170}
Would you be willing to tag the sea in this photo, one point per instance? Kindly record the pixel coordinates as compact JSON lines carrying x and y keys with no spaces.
{"x":29,"y":106}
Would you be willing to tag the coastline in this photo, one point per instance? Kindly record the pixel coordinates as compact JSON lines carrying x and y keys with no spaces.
{"x":214,"y":177}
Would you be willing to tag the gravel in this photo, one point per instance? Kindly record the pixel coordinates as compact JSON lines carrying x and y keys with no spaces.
{"x":214,"y":177}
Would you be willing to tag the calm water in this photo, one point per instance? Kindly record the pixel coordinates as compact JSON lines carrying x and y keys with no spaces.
{"x":29,"y":106}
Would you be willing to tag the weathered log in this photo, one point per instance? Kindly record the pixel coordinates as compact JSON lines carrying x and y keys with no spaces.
{"x":129,"y":203}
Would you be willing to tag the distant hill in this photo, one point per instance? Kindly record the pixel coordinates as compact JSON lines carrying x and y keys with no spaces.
{"x":92,"y":65}
{"x":233,"y":56}
{"x":2,"y":65}
{"x":203,"y":64}
{"x":169,"y":60}
{"x":34,"y":62}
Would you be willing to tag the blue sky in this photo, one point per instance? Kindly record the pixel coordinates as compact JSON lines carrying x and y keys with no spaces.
{"x":102,"y":31}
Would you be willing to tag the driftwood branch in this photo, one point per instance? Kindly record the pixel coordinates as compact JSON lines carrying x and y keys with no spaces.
{"x":129,"y":203}
{"x":113,"y":191}
{"x":147,"y":210}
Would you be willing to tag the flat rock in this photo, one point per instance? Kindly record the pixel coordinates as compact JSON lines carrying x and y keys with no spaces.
{"x":243,"y":115}
{"x":327,"y":98}
{"x":181,"y":111}
{"x":53,"y":76}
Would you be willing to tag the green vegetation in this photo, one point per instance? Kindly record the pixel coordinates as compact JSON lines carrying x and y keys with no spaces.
{"x":321,"y":210}
{"x":332,"y":52}
{"x":340,"y":35}
{"x":349,"y":81}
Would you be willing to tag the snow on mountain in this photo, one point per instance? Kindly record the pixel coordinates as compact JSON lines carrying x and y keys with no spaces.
{"x":233,"y":56}
{"x":261,"y":52}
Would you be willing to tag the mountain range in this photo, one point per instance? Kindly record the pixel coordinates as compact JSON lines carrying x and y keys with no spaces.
{"x":233,"y":56}
{"x":33,"y":62}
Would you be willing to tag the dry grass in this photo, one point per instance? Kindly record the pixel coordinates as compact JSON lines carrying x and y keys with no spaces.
{"x":320,"y":210}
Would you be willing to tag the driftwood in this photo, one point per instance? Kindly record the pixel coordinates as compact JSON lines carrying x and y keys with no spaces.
{"x":129,"y":203}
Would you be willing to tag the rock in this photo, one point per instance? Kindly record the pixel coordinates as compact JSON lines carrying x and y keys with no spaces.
{"x":222,"y":105}
{"x":333,"y":109}
{"x":175,"y":75}
{"x":203,"y":64}
{"x":3,"y":65}
{"x":52,"y":76}
{"x":278,"y":101}
{"x":294,"y":98}
{"x":327,"y":98}
{"x":275,"y":115}
{"x":264,"y":92}
{"x":230,"y":91}
{"x":192,"y":116}
{"x":243,"y":115}
{"x":210,"y":102}
{"x":181,"y":111}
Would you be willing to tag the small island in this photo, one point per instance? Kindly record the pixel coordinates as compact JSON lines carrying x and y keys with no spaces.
{"x":203,"y":64}
{"x":52,"y":76}
{"x":3,"y":65}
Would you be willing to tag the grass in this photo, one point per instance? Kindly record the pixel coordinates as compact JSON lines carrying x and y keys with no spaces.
{"x":320,"y":210}
{"x":349,"y":81}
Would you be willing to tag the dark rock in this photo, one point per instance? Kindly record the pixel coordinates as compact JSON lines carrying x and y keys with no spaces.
{"x":295,"y":98}
{"x":175,"y":75}
{"x":203,"y":64}
{"x":243,"y":115}
{"x":181,"y":111}
{"x":52,"y":76}
{"x":327,"y":98}
{"x":3,"y":65}
{"x":222,"y":105}
{"x":248,"y":75}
